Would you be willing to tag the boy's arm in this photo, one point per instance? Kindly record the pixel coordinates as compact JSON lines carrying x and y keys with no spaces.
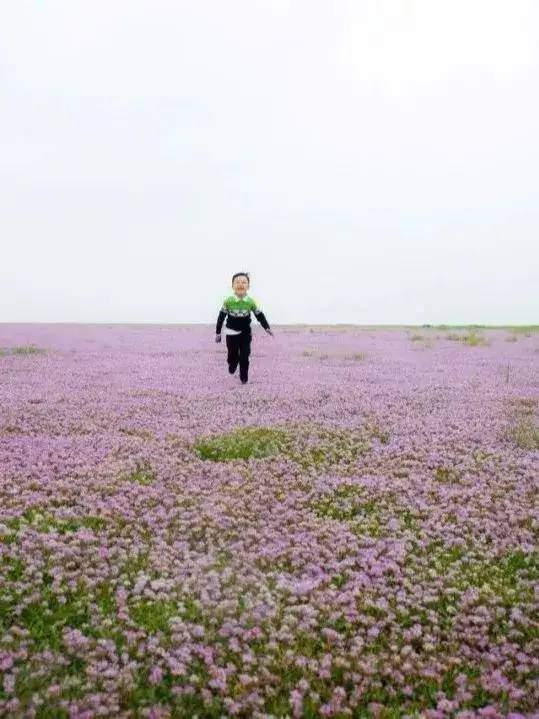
{"x":260,"y":316}
{"x":221,"y":318}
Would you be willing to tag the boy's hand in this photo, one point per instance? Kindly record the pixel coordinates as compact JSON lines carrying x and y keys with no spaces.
{"x":269,"y":332}
{"x":217,"y":338}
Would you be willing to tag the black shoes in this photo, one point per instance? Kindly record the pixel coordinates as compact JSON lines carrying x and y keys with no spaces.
{"x":233,"y":368}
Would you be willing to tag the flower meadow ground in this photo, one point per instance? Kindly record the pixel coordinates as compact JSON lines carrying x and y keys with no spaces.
{"x":351,"y":534}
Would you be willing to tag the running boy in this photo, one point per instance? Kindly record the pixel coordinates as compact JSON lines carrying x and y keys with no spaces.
{"x":237,"y":309}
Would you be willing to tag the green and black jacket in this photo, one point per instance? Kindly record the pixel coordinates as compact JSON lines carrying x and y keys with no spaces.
{"x":237,"y":311}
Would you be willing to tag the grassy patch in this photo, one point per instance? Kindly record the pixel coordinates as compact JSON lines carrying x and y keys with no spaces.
{"x":244,"y":443}
{"x":154,"y":616}
{"x":495,"y":575}
{"x":471,"y":338}
{"x":523,"y":429}
{"x":33,"y":681}
{"x":356,"y":356}
{"x":11,"y":429}
{"x":353,"y":356}
{"x":308,"y":444}
{"x":525,"y":405}
{"x":145,"y":694}
{"x":441,"y":557}
{"x":525,"y":434}
{"x":142,"y":433}
{"x":446,"y":475}
{"x":318,"y":446}
{"x":527,"y":330}
{"x":136,"y":563}
{"x":22,"y":350}
{"x":347,"y":502}
{"x":44,"y":521}
{"x":142,"y":474}
{"x":375,"y":431}
{"x":426,"y":690}
{"x":46,"y":618}
{"x":366,"y":516}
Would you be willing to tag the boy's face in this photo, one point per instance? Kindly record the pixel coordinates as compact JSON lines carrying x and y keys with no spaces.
{"x":240,"y":285}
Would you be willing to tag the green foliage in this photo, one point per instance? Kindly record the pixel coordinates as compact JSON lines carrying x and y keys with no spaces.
{"x":43,"y":520}
{"x":32,"y":681}
{"x":136,"y":563}
{"x":356,"y":356}
{"x":347,"y":502}
{"x":374,"y":431}
{"x":244,"y":443}
{"x":527,"y":330}
{"x":154,"y":616}
{"x":499,"y":575}
{"x":446,"y":475}
{"x":136,"y":699}
{"x":46,"y":618}
{"x":142,"y":433}
{"x":523,"y":429}
{"x":21,"y":350}
{"x":472,"y":339}
{"x":321,"y":447}
{"x":309,"y":444}
{"x":143,"y":474}
{"x":525,"y":434}
{"x":525,"y":405}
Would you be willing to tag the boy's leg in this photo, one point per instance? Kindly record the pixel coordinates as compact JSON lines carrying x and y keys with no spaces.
{"x":232,"y":346}
{"x":245,"y":351}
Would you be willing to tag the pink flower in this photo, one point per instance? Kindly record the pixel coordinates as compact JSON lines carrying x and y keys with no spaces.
{"x":6,"y":661}
{"x":9,"y":683}
{"x":155,"y":676}
{"x":296,"y":702}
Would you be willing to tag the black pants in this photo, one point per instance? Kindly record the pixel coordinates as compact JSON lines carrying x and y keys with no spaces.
{"x":239,"y":349}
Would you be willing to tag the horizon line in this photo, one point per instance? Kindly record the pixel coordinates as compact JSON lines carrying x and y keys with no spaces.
{"x":284,"y":324}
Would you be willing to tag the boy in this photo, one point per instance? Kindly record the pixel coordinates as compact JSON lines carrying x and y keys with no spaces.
{"x":237,"y":309}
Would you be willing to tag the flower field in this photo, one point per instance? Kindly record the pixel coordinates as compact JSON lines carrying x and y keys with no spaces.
{"x":353,"y":533}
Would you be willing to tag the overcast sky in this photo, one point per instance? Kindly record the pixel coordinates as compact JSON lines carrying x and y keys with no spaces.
{"x":366,"y":161}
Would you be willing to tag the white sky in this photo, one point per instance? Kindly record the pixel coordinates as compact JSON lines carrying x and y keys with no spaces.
{"x":369,"y":161}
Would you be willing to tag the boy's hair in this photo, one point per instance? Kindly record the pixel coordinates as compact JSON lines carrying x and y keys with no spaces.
{"x":241,"y":274}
